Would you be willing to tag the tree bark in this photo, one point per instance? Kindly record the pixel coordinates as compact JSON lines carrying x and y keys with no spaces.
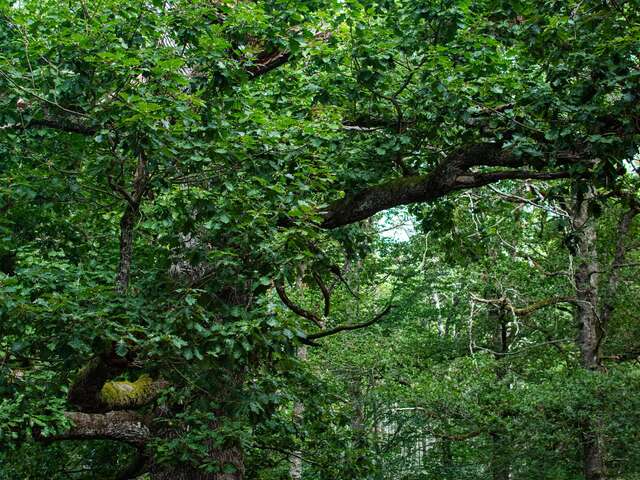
{"x":590,"y":329}
{"x":500,"y":465}
{"x":453,"y":174}
{"x":127,"y":226}
{"x":586,"y":279}
{"x":228,"y":458}
{"x":295,"y":459}
{"x":124,"y":426}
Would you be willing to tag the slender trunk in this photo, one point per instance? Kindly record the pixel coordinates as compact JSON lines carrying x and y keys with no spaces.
{"x":295,"y":460}
{"x":441,"y":327}
{"x":447,"y":458}
{"x":127,"y":225}
{"x":357,"y":418}
{"x":500,"y":465}
{"x":586,"y":281}
{"x":128,"y":221}
{"x":590,"y":330}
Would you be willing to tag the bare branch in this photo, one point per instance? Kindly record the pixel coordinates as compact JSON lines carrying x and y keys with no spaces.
{"x":526,"y":310}
{"x":347,"y":327}
{"x":325,"y":294}
{"x":298,"y":310}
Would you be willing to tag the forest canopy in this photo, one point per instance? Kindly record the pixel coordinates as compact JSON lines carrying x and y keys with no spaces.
{"x":319,"y":240}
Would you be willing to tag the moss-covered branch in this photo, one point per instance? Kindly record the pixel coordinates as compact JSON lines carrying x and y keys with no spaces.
{"x":117,"y":395}
{"x":454,"y":173}
{"x":93,"y":391}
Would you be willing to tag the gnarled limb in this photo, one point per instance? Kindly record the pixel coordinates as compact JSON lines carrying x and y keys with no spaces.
{"x":117,"y":395}
{"x":453,"y":174}
{"x":123,"y":426}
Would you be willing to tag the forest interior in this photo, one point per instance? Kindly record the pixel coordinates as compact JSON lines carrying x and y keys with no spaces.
{"x":319,"y":240}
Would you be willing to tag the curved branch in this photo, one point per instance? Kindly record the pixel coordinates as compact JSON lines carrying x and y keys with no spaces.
{"x":298,"y":310}
{"x":347,"y":327}
{"x":453,"y":174}
{"x":326,"y":294}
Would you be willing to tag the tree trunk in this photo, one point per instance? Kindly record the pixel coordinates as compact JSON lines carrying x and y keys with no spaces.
{"x":225,"y":456}
{"x":586,"y":280}
{"x":590,"y":330}
{"x":593,"y":453}
{"x":441,"y":323}
{"x":229,"y":460}
{"x":500,"y":465}
{"x":295,"y":459}
{"x":127,"y":226}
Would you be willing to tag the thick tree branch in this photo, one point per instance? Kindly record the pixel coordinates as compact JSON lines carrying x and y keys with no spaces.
{"x":123,"y":426}
{"x":267,"y":62}
{"x":84,"y":392}
{"x":453,"y":174}
{"x":120,"y":395}
{"x":529,"y":309}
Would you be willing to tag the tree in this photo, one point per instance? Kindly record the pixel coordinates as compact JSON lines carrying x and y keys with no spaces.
{"x":200,"y":152}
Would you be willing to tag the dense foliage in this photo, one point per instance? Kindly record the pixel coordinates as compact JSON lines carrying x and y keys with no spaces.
{"x":314,"y":240}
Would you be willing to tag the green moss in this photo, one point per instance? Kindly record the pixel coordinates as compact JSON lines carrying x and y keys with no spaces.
{"x":128,"y":394}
